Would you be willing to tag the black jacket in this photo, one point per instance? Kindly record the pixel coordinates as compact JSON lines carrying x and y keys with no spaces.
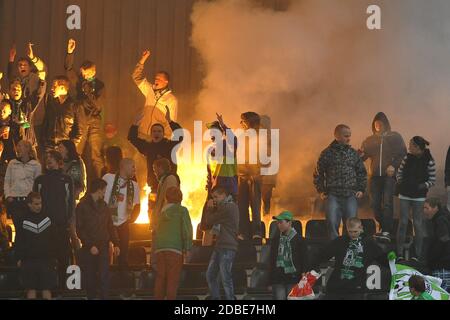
{"x":94,"y":223}
{"x":36,"y":239}
{"x":383,"y":149}
{"x":439,"y":250}
{"x":15,"y":135}
{"x":340,"y":171}
{"x":447,"y":169}
{"x":154,"y":151}
{"x":60,"y":121}
{"x":90,"y":95}
{"x":57,"y":192}
{"x":338,"y":249}
{"x":299,"y":254}
{"x":416,"y":175}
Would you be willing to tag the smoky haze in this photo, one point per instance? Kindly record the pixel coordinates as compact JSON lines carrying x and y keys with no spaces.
{"x":314,"y":64}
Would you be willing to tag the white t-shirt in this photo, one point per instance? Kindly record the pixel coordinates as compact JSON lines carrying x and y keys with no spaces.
{"x":122,"y":206}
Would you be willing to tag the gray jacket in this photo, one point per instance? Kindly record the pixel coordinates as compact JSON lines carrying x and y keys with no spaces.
{"x":225,"y":218}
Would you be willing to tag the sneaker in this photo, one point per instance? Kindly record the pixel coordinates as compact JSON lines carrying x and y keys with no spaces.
{"x":415,"y":259}
{"x":400,"y":259}
{"x":383,"y":236}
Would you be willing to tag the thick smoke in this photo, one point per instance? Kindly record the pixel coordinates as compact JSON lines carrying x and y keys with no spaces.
{"x":315,"y":64}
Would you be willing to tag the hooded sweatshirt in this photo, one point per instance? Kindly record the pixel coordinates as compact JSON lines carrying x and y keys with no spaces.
{"x":384,"y":149}
{"x":416,"y":176}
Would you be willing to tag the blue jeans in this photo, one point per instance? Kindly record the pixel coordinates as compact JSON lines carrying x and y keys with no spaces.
{"x":382,"y":201}
{"x":220,"y":267}
{"x":339,"y":209}
{"x":417,"y":212}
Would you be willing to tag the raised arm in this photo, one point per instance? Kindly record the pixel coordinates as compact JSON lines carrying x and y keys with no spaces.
{"x":12,"y":58}
{"x":138,"y":75}
{"x":69,"y":61}
{"x":38,"y":63}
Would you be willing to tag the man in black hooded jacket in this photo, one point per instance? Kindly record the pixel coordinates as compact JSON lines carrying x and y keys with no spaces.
{"x":386,"y":150}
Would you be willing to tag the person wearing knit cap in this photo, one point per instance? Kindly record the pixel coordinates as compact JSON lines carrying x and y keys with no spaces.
{"x":416,"y":175}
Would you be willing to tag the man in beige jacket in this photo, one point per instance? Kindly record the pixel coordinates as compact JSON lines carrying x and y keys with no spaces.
{"x":158,"y":96}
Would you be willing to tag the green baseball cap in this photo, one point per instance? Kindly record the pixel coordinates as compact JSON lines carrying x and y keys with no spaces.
{"x":285,"y":215}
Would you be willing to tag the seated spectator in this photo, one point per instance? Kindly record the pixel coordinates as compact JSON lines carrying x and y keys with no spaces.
{"x":439,"y":245}
{"x":96,"y":230}
{"x":418,"y":289}
{"x":353,"y":253}
{"x":173,"y":240}
{"x":35,"y":250}
{"x":287,"y":252}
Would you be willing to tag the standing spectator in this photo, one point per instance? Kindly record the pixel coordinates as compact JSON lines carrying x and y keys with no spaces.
{"x":447,"y":178}
{"x":19,"y":179}
{"x":386,"y":150}
{"x":56,"y":189}
{"x":287,"y":256}
{"x":4,"y":236}
{"x":416,"y":175}
{"x":31,"y":71}
{"x":35,"y":249}
{"x":113,"y":157}
{"x":10,"y":133}
{"x":340,"y":178}
{"x":158,"y":148}
{"x":9,"y":137}
{"x":249,"y":190}
{"x":73,"y":167}
{"x":353,"y":253}
{"x":173,"y":240}
{"x":27,"y":89}
{"x":96,"y":230}
{"x":61,"y":116}
{"x":122,"y":197}
{"x":222,"y":171}
{"x":223,"y":217}
{"x":91,"y":97}
{"x":268,"y":182}
{"x":167,"y":180}
{"x":157,"y":97}
{"x":162,"y":170}
{"x":439,"y":246}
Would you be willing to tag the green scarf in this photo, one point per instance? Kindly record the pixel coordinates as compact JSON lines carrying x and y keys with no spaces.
{"x":353,"y":259}
{"x":284,"y":257}
{"x":114,"y":204}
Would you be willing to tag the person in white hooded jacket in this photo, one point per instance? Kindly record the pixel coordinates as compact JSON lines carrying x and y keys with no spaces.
{"x":19,"y":179}
{"x":158,"y":96}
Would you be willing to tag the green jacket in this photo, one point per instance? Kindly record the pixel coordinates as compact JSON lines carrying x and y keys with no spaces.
{"x":174,"y":229}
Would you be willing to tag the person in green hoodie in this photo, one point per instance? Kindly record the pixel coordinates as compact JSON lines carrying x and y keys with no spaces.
{"x":173,"y":240}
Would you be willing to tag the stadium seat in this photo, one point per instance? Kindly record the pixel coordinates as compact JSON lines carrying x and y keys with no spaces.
{"x":122,"y":280}
{"x":316,"y":229}
{"x":200,"y":254}
{"x":137,"y":256}
{"x":264,"y":256}
{"x":246,"y":253}
{"x":259,"y":281}
{"x":139,"y":232}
